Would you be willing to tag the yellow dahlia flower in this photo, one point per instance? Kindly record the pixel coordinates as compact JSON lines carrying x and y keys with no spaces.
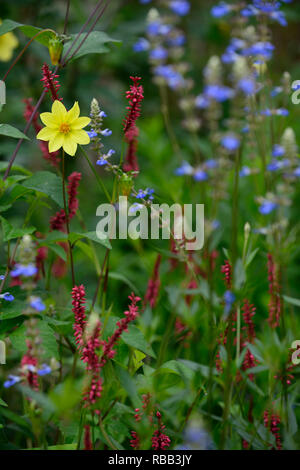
{"x":8,"y":42}
{"x":64,"y":128}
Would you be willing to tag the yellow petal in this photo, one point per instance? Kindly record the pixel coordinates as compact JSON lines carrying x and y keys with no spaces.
{"x":73,"y":113}
{"x":46,"y":134}
{"x":81,"y":137}
{"x":49,"y":120}
{"x":80,"y":123}
{"x":56,"y":142}
{"x":69,"y":145}
{"x":58,"y":110}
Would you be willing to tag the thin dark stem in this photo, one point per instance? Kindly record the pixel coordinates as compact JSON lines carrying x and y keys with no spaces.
{"x":87,"y":34}
{"x":67,"y":16}
{"x":63,"y":61}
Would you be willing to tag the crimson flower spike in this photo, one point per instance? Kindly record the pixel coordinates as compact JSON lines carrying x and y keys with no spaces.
{"x":50,"y":83}
{"x":135,"y":96}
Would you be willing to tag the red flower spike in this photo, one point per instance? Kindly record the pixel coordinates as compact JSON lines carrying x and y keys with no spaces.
{"x":50,"y":83}
{"x":135,"y":96}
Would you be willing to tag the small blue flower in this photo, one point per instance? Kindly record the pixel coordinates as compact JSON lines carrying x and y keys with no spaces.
{"x":44,"y":370}
{"x":230,"y":142}
{"x":7,"y":296}
{"x":282,"y":112}
{"x":200,"y":175}
{"x":159,"y":53}
{"x":110,"y":153}
{"x":102,"y":161}
{"x":180,"y":7}
{"x":245,"y":171}
{"x":267,"y":207}
{"x":177,"y":41}
{"x":278,"y":150}
{"x":135,"y":207}
{"x":202,"y":102}
{"x":102,"y":114}
{"x":12,"y":380}
{"x":37,"y":304}
{"x":220,"y":10}
{"x":247,"y":85}
{"x":2,"y":277}
{"x":25,"y":270}
{"x":211,"y":163}
{"x":106,"y":132}
{"x":145,"y":193}
{"x":229,"y":299}
{"x":297,"y":172}
{"x":219,"y":93}
{"x":276,"y":91}
{"x":92,"y":133}
{"x":184,"y":169}
{"x":141,"y":45}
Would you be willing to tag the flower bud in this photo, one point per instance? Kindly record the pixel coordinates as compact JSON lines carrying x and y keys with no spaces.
{"x":55,"y":47}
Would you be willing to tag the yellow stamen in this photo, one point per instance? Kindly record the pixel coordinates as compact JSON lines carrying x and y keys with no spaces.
{"x":64,"y":128}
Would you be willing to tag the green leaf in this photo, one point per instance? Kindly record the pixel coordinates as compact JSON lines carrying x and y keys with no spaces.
{"x":3,"y":166}
{"x":10,"y":131}
{"x":47,"y":183}
{"x":94,"y":44}
{"x":9,"y":232}
{"x":135,"y":338}
{"x":291,"y":300}
{"x":2,"y":403}
{"x":28,"y":30}
{"x":74,"y":237}
{"x":122,"y":278}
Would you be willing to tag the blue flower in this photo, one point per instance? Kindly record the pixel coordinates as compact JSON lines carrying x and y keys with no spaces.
{"x":297,"y":171}
{"x":2,"y":277}
{"x":267,"y":207}
{"x":159,"y":53}
{"x":7,"y":296}
{"x":230,"y":142}
{"x":92,"y":133}
{"x":184,"y":169}
{"x":102,"y":161}
{"x":135,"y":207}
{"x":37,"y":304}
{"x":229,"y":299}
{"x":264,"y":49}
{"x":219,"y":93}
{"x":200,"y":175}
{"x":12,"y":380}
{"x":247,"y":85}
{"x":245,"y":171}
{"x":145,"y":193}
{"x":220,"y":10}
{"x":145,"y":1}
{"x":25,"y":270}
{"x":44,"y":370}
{"x":141,"y":45}
{"x":180,"y":7}
{"x":277,"y":165}
{"x":173,"y":78}
{"x":282,"y":112}
{"x":278,"y":150}
{"x":211,"y":163}
{"x":276,"y":90}
{"x":106,"y":132}
{"x":202,"y":102}
{"x":177,"y":41}
{"x":102,"y":114}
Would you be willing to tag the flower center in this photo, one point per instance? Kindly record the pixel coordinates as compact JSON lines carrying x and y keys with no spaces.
{"x":64,"y":128}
